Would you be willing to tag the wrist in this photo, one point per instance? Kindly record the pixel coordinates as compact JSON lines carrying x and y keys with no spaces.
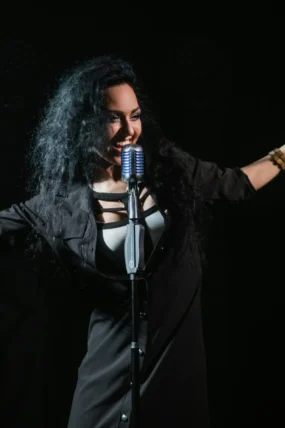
{"x":277,"y":157}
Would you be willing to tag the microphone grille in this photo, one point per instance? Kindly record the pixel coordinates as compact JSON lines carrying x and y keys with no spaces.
{"x":132,"y":163}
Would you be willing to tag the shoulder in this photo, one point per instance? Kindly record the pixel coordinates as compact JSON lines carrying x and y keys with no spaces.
{"x":172,"y":160}
{"x":66,"y":216}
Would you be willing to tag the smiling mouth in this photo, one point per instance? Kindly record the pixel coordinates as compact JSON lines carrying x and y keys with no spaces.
{"x":122,"y":144}
{"x":118,"y":147}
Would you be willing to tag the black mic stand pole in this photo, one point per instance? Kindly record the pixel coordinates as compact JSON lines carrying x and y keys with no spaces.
{"x":134,"y":257}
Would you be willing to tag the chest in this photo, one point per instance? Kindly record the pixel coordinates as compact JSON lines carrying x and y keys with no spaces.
{"x":116,"y":210}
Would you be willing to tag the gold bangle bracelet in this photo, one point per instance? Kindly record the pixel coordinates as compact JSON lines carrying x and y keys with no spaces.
{"x":280,"y":154}
{"x":277,"y":160}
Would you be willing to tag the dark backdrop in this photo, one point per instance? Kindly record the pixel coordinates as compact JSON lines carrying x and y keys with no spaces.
{"x":221,"y":99}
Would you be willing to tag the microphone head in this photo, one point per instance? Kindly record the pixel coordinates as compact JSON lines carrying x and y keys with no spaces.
{"x":132,"y":163}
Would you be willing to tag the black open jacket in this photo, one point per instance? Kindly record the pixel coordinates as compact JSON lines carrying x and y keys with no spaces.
{"x":48,"y":296}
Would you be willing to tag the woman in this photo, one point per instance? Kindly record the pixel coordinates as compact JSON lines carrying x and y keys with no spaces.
{"x":79,"y":211}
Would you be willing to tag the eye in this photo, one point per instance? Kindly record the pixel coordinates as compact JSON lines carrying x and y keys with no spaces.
{"x":113,"y":117}
{"x":136,"y":116}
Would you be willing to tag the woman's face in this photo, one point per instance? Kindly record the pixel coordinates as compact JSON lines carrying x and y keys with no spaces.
{"x":123,"y":120}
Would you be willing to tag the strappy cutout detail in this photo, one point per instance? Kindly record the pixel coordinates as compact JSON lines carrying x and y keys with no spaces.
{"x":122,"y":210}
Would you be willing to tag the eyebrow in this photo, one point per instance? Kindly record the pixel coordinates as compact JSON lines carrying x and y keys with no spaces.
{"x":120,"y":112}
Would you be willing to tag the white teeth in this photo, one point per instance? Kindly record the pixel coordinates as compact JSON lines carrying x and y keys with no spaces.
{"x":122,"y":144}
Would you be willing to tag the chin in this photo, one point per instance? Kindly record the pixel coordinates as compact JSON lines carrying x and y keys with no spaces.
{"x":118,"y":163}
{"x":116,"y":160}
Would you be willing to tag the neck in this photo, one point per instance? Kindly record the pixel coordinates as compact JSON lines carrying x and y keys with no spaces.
{"x":109,"y":180}
{"x":110,"y":186}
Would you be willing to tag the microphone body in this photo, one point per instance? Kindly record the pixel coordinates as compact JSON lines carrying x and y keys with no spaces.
{"x":132,"y":163}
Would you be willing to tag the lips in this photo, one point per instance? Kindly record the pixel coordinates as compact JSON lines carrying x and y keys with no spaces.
{"x":119,"y":146}
{"x":122,"y":144}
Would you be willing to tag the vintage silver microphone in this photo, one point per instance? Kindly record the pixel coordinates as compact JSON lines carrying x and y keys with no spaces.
{"x":132,"y":163}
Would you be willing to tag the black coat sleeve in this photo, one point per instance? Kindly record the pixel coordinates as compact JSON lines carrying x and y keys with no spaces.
{"x":213,"y":182}
{"x":20,"y":217}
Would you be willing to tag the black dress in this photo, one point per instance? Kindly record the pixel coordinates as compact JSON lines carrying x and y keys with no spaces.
{"x":102,"y":393}
{"x":173,"y":367}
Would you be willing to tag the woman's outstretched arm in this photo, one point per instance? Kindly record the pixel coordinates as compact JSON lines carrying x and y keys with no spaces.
{"x":265,"y":169}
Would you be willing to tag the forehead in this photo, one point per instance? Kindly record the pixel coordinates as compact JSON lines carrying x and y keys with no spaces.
{"x":120,"y":97}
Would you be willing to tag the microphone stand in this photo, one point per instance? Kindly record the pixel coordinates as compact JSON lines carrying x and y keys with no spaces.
{"x":134,"y":258}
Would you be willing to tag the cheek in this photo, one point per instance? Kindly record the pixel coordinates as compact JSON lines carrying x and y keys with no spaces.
{"x":138,"y":129}
{"x":111,"y":131}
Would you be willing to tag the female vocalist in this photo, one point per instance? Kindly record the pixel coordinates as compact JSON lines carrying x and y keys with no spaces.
{"x":76,"y":223}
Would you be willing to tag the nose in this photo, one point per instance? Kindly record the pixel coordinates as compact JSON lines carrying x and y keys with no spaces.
{"x":128,"y":128}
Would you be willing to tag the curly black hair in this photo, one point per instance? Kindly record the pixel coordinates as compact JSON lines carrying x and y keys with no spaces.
{"x":72,"y":129}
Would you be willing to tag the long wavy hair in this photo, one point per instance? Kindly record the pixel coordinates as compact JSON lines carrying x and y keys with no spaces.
{"x":72,"y":129}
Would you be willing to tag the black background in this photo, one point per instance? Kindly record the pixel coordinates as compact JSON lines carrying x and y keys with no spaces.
{"x":221,"y":99}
